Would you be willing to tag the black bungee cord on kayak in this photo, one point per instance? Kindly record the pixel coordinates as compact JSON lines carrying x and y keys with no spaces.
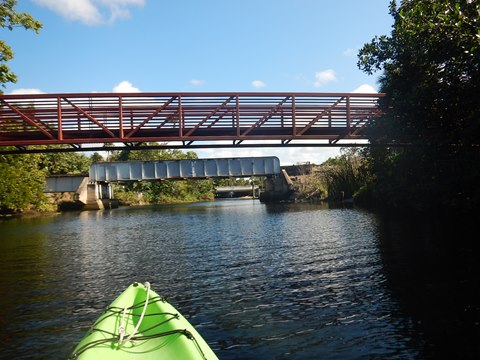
{"x":92,"y":344}
{"x":173,"y":316}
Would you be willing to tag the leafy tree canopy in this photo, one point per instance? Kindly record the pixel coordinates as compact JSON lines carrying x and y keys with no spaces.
{"x":21,"y":182}
{"x":96,"y":157}
{"x":431,"y":66}
{"x":11,"y":19}
{"x":65,"y":163}
{"x":431,"y":75}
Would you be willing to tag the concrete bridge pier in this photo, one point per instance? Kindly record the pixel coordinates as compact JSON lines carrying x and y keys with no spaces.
{"x":90,"y":198}
{"x":95,"y":196}
{"x":105,"y":194}
{"x":278,"y":188}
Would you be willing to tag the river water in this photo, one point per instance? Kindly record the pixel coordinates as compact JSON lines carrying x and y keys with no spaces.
{"x":258,"y":281}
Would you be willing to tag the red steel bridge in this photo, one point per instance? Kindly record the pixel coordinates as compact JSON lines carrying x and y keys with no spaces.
{"x":92,"y":121}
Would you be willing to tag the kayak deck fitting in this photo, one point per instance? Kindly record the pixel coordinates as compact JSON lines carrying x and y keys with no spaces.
{"x":140,"y":324}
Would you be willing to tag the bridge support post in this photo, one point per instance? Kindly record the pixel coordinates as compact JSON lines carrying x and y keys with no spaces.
{"x":93,"y":201}
{"x":277,"y":189}
{"x":105,"y":193}
{"x":96,"y":196}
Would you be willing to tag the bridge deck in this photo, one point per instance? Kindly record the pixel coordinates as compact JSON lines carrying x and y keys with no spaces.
{"x":184,"y":169}
{"x":131,"y":119}
{"x":63,"y":183}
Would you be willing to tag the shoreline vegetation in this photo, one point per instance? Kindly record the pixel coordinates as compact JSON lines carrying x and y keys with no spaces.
{"x":339,"y":181}
{"x":21,"y":188}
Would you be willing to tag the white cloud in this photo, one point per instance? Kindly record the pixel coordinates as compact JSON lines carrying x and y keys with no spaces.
{"x":258,"y":84}
{"x":91,"y":12}
{"x":196,"y":82}
{"x":365,"y":88}
{"x":324,"y":77}
{"x":287,"y":155}
{"x":349,"y":52}
{"x":119,"y":8}
{"x":125,"y":87}
{"x":230,"y":153}
{"x":26,"y":91}
{"x":314,"y":155}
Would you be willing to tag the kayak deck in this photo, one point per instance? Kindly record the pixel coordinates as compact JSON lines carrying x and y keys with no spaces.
{"x":140,"y":324}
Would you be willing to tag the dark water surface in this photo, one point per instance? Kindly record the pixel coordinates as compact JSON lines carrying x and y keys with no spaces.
{"x":258,"y":282}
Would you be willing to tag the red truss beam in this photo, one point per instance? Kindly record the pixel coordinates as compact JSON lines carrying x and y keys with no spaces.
{"x":211,"y":118}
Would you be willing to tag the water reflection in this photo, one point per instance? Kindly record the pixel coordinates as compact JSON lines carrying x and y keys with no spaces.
{"x":259,"y":282}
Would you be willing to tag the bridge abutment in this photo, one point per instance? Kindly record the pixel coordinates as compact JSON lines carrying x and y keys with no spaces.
{"x":277,"y":189}
{"x":87,"y":195}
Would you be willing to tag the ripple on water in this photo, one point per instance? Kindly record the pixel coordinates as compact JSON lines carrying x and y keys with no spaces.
{"x":259,"y":282}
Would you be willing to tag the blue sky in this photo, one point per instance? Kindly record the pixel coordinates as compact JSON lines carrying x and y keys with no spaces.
{"x":198,"y":45}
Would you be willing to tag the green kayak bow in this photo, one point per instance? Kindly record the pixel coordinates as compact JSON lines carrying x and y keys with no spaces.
{"x":140,"y":324}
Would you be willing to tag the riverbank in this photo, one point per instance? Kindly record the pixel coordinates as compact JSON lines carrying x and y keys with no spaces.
{"x":62,"y":203}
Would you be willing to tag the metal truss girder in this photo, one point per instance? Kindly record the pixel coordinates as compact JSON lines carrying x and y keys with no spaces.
{"x":27,"y":119}
{"x":111,"y":118}
{"x":184,"y":169}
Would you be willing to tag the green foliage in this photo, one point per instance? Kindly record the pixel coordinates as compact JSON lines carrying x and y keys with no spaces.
{"x":181,"y":191}
{"x":431,"y":75}
{"x":235,"y":181}
{"x":344,"y":175}
{"x":21,"y":183}
{"x":96,"y":157}
{"x":22,"y":178}
{"x":65,"y":163}
{"x":10,"y":19}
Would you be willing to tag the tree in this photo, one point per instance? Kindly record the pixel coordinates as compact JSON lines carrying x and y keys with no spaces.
{"x":10,"y":19}
{"x":22,"y":177}
{"x":343,"y":175}
{"x":96,"y":157}
{"x":431,"y":75}
{"x":65,"y":163}
{"x":21,"y":183}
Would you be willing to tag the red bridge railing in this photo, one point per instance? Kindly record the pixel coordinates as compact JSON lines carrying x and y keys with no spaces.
{"x":193,"y":119}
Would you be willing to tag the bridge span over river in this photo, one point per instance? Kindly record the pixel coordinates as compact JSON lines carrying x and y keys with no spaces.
{"x":91,"y":121}
{"x":95,"y":190}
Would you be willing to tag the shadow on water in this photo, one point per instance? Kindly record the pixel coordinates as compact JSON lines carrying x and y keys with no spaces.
{"x":286,"y":281}
{"x":432,"y":269}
